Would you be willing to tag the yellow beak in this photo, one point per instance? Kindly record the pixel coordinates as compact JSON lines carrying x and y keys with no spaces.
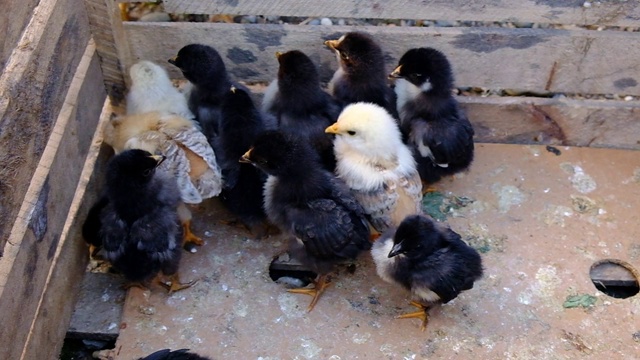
{"x":333,"y":129}
{"x":173,"y":60}
{"x":278,"y":54}
{"x":245,"y":158}
{"x":332,"y":43}
{"x":395,"y":74}
{"x":233,"y":89}
{"x":158,"y":158}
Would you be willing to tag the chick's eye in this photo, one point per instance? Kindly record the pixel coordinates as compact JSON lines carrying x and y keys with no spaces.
{"x":344,"y":56}
{"x":147,"y":172}
{"x":262,"y":162}
{"x":351,"y":132}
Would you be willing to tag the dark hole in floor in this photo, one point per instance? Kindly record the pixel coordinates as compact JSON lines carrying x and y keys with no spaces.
{"x":83,"y":349}
{"x":615,"y":278}
{"x":283,"y":270}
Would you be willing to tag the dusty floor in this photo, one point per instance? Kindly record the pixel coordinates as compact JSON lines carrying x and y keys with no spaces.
{"x":540,"y":219}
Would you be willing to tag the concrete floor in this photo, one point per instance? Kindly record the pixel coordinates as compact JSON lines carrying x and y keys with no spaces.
{"x":540,"y":219}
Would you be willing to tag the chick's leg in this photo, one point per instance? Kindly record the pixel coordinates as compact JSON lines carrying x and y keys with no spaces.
{"x":185,"y":218}
{"x":420,"y":314}
{"x":320,"y":284}
{"x":175,"y":284}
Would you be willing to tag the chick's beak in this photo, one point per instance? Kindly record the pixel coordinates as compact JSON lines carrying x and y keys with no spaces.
{"x":395,"y":250}
{"x":395,"y":74}
{"x":173,"y":60}
{"x":233,"y":89}
{"x":332,"y":44}
{"x":333,"y":129}
{"x":246,"y":157}
{"x":278,"y":54}
{"x":158,"y":158}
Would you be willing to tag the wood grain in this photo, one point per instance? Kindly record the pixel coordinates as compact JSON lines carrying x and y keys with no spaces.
{"x":33,"y":254}
{"x":33,"y":87}
{"x":621,"y":13}
{"x":522,"y":59}
{"x":14,"y":18}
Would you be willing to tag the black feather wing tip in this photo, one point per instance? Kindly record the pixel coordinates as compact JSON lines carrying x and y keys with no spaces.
{"x":167,"y":354}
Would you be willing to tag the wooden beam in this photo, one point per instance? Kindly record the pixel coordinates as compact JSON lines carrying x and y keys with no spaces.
{"x":620,"y":13}
{"x":42,"y":263}
{"x":525,"y":59}
{"x":33,"y":87}
{"x":113,"y":47}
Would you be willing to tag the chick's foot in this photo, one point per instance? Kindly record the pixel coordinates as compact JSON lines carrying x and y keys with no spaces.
{"x":420,"y":314}
{"x":320,"y":284}
{"x":188,"y":236}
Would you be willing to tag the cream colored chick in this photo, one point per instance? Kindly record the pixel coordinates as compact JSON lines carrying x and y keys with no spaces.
{"x":375,"y":163}
{"x":152,"y":90}
{"x":190,"y":158}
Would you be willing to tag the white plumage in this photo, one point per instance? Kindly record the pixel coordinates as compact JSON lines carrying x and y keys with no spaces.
{"x":152,"y":90}
{"x":375,"y":163}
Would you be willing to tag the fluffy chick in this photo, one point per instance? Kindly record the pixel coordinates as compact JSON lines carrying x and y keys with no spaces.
{"x":300,"y":105}
{"x":139,"y":229}
{"x":428,"y":259}
{"x":240,"y":125}
{"x":376,"y":165}
{"x":152,"y":90}
{"x":92,"y":225}
{"x":190,"y":158}
{"x":310,"y":205}
{"x":361,"y":75}
{"x":205,"y":70}
{"x":431,"y":120}
{"x":167,"y":354}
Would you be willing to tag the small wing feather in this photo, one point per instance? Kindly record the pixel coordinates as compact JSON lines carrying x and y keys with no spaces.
{"x":157,"y":233}
{"x":113,"y":232}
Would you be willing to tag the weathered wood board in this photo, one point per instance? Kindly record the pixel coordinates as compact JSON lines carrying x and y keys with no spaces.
{"x":43,"y":257}
{"x":621,"y":13}
{"x":33,"y":87}
{"x":539,"y":60}
{"x":14,"y":18}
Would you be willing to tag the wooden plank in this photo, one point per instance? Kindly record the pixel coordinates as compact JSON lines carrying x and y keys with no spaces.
{"x":610,"y":274}
{"x":68,"y":265}
{"x":44,"y":96}
{"x":14,"y":17}
{"x":522,"y":120}
{"x":526,"y":59}
{"x":620,"y":13}
{"x":33,"y":87}
{"x":113,"y":48}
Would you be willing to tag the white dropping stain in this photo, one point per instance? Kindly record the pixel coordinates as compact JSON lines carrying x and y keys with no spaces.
{"x":241,"y":309}
{"x":388,"y":350}
{"x":361,"y":338}
{"x":580,"y":181}
{"x":507,"y":289}
{"x":112,"y":326}
{"x":309,"y":349}
{"x":409,"y":357}
{"x":335,"y":357}
{"x":289,"y":306}
{"x":508,"y":196}
{"x":547,"y":280}
{"x":105,"y":297}
{"x":525,"y":298}
{"x":225,"y":287}
{"x":161,"y":330}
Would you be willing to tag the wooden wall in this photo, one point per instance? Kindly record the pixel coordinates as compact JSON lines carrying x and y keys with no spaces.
{"x":52,"y":94}
{"x":535,"y":60}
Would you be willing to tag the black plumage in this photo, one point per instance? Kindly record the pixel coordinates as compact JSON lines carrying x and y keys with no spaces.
{"x":242,"y":191}
{"x":140,"y":230}
{"x":167,"y":354}
{"x":92,"y":225}
{"x":205,"y":70}
{"x":361,"y":76}
{"x":431,"y":120}
{"x":300,"y":105}
{"x":428,"y":259}
{"x":309,"y":204}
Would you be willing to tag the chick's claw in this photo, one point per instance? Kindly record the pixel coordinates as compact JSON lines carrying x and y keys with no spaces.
{"x":420,"y":314}
{"x":175,"y":284}
{"x":320,"y":284}
{"x":189,"y":237}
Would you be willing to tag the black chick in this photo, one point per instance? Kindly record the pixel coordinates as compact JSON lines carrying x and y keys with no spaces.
{"x":140,"y":229}
{"x":166,"y":354}
{"x":240,"y":125}
{"x":431,"y":120}
{"x":300,"y":105}
{"x":205,"y":70}
{"x":92,"y":225}
{"x":428,"y":259}
{"x":314,"y":208}
{"x":361,"y":76}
